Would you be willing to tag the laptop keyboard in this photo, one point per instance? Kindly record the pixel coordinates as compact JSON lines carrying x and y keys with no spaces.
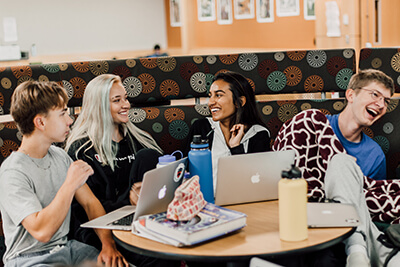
{"x":127,"y":220}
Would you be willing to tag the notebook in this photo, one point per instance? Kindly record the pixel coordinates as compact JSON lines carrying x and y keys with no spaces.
{"x":251,"y":177}
{"x":320,"y":215}
{"x":158,"y":188}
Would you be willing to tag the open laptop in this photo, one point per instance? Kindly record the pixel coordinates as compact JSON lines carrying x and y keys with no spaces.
{"x":158,"y":188}
{"x":251,"y":177}
{"x":320,"y":215}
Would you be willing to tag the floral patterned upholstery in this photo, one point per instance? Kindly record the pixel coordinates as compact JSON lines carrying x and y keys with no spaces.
{"x":153,"y":81}
{"x":384,"y":59}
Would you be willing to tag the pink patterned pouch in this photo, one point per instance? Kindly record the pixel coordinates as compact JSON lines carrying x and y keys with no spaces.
{"x":188,"y":201}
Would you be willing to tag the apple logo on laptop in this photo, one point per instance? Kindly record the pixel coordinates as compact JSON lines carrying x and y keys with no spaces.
{"x":162,"y":192}
{"x":255,"y":179}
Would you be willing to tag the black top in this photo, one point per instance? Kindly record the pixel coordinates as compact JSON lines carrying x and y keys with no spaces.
{"x":110,"y":187}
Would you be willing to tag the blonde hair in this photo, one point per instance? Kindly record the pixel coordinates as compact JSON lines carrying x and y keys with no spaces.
{"x":367,"y":76}
{"x":96,"y":123}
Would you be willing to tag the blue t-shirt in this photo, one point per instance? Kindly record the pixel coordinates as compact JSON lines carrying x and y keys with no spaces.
{"x":368,"y":153}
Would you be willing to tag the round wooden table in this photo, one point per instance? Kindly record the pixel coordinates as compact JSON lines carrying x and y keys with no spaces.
{"x":259,"y":238}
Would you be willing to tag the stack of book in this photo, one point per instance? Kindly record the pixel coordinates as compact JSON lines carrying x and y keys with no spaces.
{"x":212,"y":221}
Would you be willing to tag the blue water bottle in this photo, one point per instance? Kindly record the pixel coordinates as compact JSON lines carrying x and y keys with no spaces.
{"x":200,"y":164}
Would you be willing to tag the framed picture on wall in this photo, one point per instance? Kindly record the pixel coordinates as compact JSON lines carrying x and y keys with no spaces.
{"x":309,"y":9}
{"x":287,"y":8}
{"x":174,"y":13}
{"x":224,"y":12}
{"x":265,"y":10}
{"x":244,"y":9}
{"x":206,"y":10}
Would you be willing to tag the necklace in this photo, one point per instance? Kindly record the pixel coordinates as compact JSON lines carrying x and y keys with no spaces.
{"x":34,"y":162}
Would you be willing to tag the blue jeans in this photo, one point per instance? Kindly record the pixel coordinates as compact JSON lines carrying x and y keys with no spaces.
{"x":72,"y":253}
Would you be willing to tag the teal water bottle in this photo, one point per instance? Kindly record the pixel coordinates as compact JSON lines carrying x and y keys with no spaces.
{"x":200,"y":164}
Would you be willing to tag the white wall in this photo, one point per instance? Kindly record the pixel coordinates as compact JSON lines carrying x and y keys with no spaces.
{"x":79,"y":26}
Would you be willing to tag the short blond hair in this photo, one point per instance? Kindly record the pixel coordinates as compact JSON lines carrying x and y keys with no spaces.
{"x":365,"y":77}
{"x":31,"y":98}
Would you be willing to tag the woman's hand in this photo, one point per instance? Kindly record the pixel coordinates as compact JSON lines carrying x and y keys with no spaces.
{"x":237,"y":133}
{"x":134,"y":193}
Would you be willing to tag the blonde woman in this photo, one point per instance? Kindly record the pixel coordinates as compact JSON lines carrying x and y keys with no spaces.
{"x":118,"y":151}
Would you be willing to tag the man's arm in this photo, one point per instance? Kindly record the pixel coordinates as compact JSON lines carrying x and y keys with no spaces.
{"x":42,"y":225}
{"x":93,"y":208}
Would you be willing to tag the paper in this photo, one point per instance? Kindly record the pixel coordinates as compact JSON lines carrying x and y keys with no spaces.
{"x":10,"y":29}
{"x":10,"y":52}
{"x":332,"y":19}
{"x":142,"y":231}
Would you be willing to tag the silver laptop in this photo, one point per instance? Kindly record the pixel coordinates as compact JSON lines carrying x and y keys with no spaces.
{"x":251,"y":177}
{"x":157,"y":192}
{"x":320,"y":215}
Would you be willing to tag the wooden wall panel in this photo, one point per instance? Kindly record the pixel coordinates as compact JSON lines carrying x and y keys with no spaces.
{"x":390,"y":22}
{"x":350,"y":33}
{"x":284,"y":33}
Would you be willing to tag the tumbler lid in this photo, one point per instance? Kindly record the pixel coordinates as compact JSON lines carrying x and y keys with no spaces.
{"x":293,"y":173}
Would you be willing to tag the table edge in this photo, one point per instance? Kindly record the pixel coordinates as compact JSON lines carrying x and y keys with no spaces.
{"x":202,"y":258}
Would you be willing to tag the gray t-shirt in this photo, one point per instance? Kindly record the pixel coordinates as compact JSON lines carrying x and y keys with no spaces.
{"x":27,"y":185}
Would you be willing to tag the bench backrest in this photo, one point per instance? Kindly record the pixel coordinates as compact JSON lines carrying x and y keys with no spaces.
{"x":151,"y":82}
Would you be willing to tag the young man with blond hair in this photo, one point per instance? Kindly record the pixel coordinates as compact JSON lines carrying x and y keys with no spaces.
{"x":368,"y":96}
{"x":342,"y":163}
{"x":38,"y":183}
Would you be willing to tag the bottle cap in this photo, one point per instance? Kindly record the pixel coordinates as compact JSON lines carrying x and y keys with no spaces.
{"x":198,"y":142}
{"x":197,"y":139}
{"x":166,"y":159}
{"x":293,"y":173}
